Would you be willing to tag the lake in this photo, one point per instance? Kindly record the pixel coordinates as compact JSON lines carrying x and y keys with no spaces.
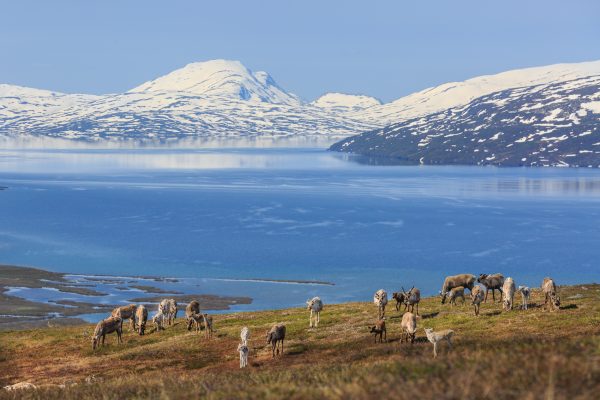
{"x":225,"y":220}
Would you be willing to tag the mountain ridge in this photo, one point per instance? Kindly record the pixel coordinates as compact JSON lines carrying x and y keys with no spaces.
{"x":223,"y":98}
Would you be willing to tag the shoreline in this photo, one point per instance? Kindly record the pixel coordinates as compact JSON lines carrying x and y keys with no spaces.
{"x":17,"y":312}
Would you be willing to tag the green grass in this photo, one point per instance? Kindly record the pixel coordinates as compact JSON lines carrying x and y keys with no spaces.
{"x":533,"y":354}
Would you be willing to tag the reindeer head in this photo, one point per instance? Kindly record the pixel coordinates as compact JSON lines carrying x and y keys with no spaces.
{"x":443,"y":296}
{"x":398,"y":296}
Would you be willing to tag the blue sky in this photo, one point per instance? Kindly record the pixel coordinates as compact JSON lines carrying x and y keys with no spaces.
{"x":386,"y":49}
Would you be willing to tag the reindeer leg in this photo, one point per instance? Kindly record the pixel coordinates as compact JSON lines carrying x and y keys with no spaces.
{"x":434,"y":349}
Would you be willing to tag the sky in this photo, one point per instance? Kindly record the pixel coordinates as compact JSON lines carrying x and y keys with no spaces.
{"x":386,"y":49}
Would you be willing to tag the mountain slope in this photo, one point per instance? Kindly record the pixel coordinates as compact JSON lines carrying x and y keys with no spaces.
{"x":220,"y":78}
{"x":224,"y":99}
{"x":210,"y":99}
{"x":455,"y":94}
{"x":555,"y":124}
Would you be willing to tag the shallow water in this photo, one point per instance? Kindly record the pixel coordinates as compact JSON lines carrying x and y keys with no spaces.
{"x":294,"y":214}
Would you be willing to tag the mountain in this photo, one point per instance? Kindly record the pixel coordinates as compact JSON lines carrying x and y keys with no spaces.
{"x":553,"y":122}
{"x":454,"y":94}
{"x":345,"y":103}
{"x":217,"y":98}
{"x":224,"y":99}
{"x":220,"y":78}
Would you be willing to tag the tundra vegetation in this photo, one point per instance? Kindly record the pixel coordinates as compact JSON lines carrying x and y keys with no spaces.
{"x":536,"y":354}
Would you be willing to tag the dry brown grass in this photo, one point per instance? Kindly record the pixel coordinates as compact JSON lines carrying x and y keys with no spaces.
{"x":533,"y":354}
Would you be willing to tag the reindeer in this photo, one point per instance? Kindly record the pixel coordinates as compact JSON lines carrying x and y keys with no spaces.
{"x":477,"y":297}
{"x":525,"y":294}
{"x":409,"y":327}
{"x":315,"y":305}
{"x":508,"y":294}
{"x":141,"y":316}
{"x":412,"y":298}
{"x":380,"y":299}
{"x":491,"y":282}
{"x":126,"y":312}
{"x":106,"y":326}
{"x":379,"y":330}
{"x":274,"y":336}
{"x":399,"y":297}
{"x":465,"y":280}
{"x":190,"y":310}
{"x":549,"y":289}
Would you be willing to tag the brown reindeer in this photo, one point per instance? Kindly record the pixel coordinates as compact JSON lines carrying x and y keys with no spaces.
{"x":192,"y":308}
{"x":492,"y":282}
{"x":465,"y":280}
{"x":126,"y":312}
{"x":141,"y":316}
{"x":379,"y":330}
{"x":274,"y":336}
{"x":106,"y":326}
{"x":551,"y":297}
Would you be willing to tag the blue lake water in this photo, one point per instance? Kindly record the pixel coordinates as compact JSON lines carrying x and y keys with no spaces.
{"x":294,"y":214}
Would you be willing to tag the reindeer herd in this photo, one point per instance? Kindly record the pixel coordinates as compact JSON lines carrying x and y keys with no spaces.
{"x":453,"y":288}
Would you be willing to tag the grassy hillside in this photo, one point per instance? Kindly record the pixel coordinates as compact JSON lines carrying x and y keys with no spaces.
{"x":526,"y":354}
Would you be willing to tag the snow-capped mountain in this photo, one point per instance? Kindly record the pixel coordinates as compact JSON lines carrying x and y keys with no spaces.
{"x":555,"y":123}
{"x":220,"y":78}
{"x":454,"y":94}
{"x":224,"y":99}
{"x":345,"y":103}
{"x":217,"y":98}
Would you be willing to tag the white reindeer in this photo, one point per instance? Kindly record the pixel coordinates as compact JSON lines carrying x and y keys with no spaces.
{"x":380,"y":299}
{"x":525,"y":294}
{"x":315,"y":305}
{"x":508,"y":294}
{"x":436,"y":337}
{"x":245,"y":335}
{"x":243,"y":350}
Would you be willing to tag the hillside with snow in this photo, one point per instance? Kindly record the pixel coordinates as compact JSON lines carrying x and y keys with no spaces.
{"x":213,"y":99}
{"x":556,"y":123}
{"x":224,"y":99}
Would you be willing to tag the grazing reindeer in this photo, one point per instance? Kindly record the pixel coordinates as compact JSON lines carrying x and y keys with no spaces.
{"x":203,"y":321}
{"x":380,"y":299}
{"x":245,"y":335}
{"x":491,"y":282}
{"x":399,"y":297}
{"x":163,"y":307}
{"x":379,"y":330}
{"x":508,"y":294}
{"x":159,"y":320}
{"x":477,"y":298}
{"x":409,"y":327}
{"x":274,"y":336}
{"x":172,"y":311}
{"x":208,"y":325}
{"x":465,"y":280}
{"x":436,"y":337}
{"x":315,"y":305}
{"x":126,"y":312}
{"x":141,"y":315}
{"x":549,"y":289}
{"x":190,"y":310}
{"x":412,"y":297}
{"x":243,"y":350}
{"x":525,"y":294}
{"x":106,"y":326}
{"x":455,"y":293}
